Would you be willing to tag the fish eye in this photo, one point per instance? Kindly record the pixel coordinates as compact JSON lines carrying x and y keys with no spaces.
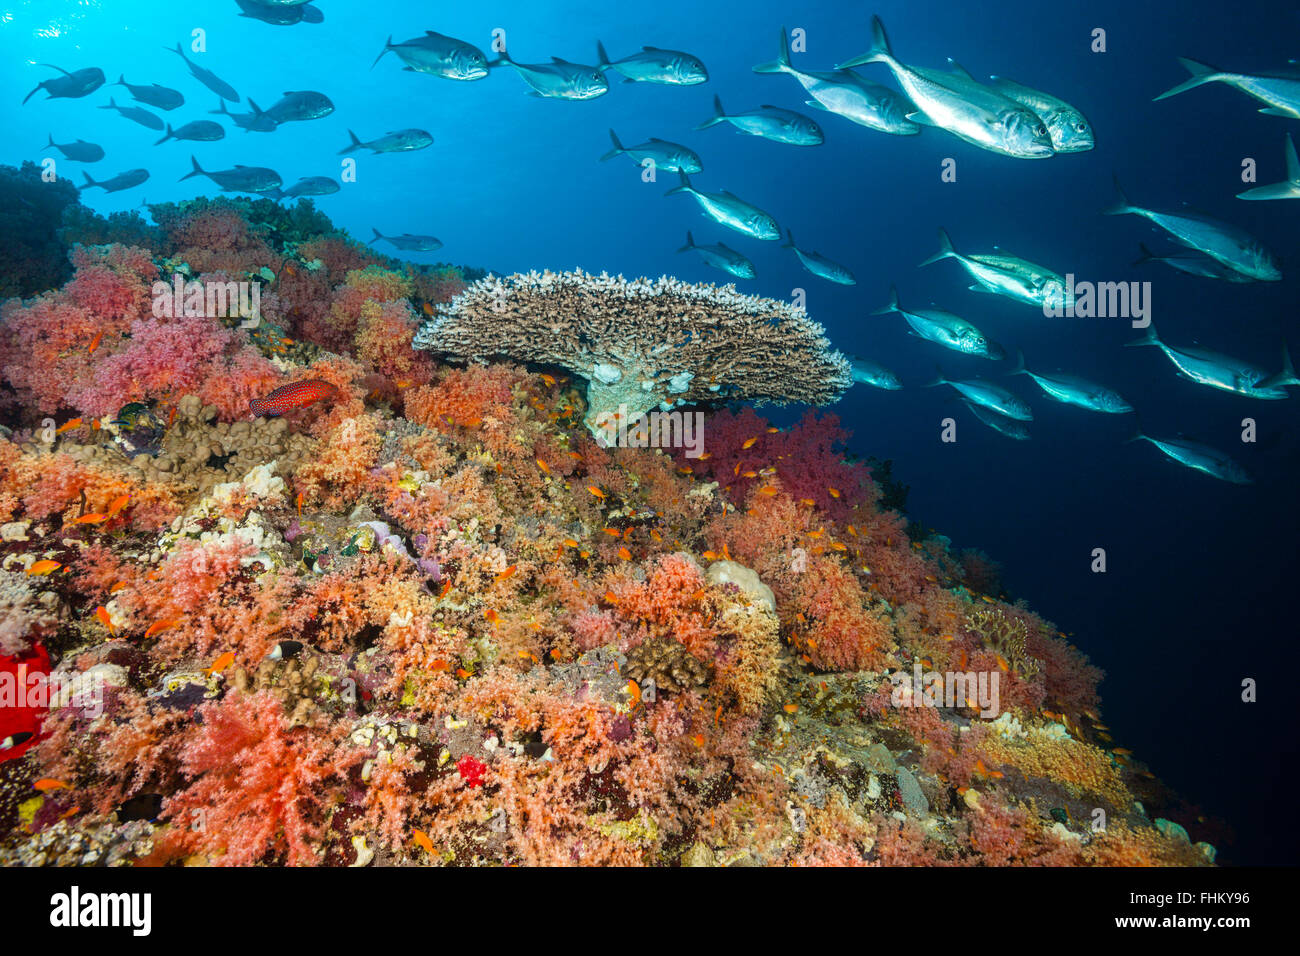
{"x":1081,"y":127}
{"x":595,"y":76}
{"x":1041,"y":130}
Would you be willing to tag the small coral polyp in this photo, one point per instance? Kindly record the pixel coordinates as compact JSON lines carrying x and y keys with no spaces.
{"x":429,"y":620}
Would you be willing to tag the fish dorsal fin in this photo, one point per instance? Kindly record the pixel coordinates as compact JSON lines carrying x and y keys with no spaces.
{"x":652,"y":49}
{"x":240,"y":166}
{"x":959,"y":69}
{"x":561,"y":62}
{"x":769,"y":106}
{"x":656,"y":139}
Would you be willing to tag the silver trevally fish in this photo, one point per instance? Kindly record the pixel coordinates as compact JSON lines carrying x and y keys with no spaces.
{"x":867,"y":372}
{"x":241,"y":179}
{"x":721,"y":257}
{"x":1072,"y":390}
{"x":439,"y":55}
{"x":940,"y":102}
{"x":255,"y":122}
{"x":653,"y":65}
{"x":1205,"y":367}
{"x":280,"y":14}
{"x":132,"y":177}
{"x":79,"y":151}
{"x":69,"y":85}
{"x":1289,"y":188}
{"x":731,"y":211}
{"x":845,"y":93}
{"x":159,"y":97}
{"x":1193,"y":263}
{"x":819,"y":265}
{"x":769,"y":122}
{"x":1011,"y":276}
{"x":1068,"y":128}
{"x":299,"y":105}
{"x":409,"y":242}
{"x":1201,"y":457}
{"x":944,"y":328}
{"x":199,"y":131}
{"x":1234,"y":247}
{"x":1000,"y":423}
{"x":135,"y":114}
{"x":398,"y":141}
{"x":990,"y":395}
{"x":308,"y":186}
{"x":1281,"y":91}
{"x":209,"y":79}
{"x":560,"y":79}
{"x":671,"y":157}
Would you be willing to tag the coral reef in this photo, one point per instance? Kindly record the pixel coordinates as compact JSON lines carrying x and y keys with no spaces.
{"x":426,"y":619}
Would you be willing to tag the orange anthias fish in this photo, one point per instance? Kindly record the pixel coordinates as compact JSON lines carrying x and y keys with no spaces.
{"x":749,"y":442}
{"x":159,"y":626}
{"x":834,"y":492}
{"x":296,"y":395}
{"x":74,"y":423}
{"x":422,"y":840}
{"x":492,"y":615}
{"x":548,"y":379}
{"x":546,"y":469}
{"x":221,"y":663}
{"x":46,"y":784}
{"x":40,"y":568}
{"x":508,"y":572}
{"x":94,"y":343}
{"x":90,"y":519}
{"x":439,"y":665}
{"x":625,"y":554}
{"x":118,"y":504}
{"x":101,"y":614}
{"x":596,"y":491}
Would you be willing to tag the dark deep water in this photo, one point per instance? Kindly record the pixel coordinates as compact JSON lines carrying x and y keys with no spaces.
{"x":1199,"y":591}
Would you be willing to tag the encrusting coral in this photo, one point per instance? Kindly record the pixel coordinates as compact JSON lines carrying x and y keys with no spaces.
{"x":642,"y":343}
{"x":428,"y":619}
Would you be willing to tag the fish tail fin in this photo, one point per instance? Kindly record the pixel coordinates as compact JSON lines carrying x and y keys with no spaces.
{"x":169,"y":135}
{"x":602,"y":58}
{"x":1292,"y":162}
{"x":1121,"y":205}
{"x":789,"y":243}
{"x":1139,"y":433}
{"x":50,"y":144}
{"x":354,"y":145}
{"x":89,"y":182}
{"x":111,"y":105}
{"x":221,"y":108}
{"x":782,"y":63}
{"x":1149,"y":337}
{"x":1144,"y":254}
{"x":1020,"y":364}
{"x":939,"y":378}
{"x":121,"y":80}
{"x":690,"y":242}
{"x":880,"y":49}
{"x":893,"y":303}
{"x":33,"y":92}
{"x":618,"y":147}
{"x":378,"y":236}
{"x":719,"y":114}
{"x":253,"y":105}
{"x":196,"y":171}
{"x":945,"y":249}
{"x":1285,"y":377}
{"x":1201,"y":73}
{"x":388,"y":45}
{"x":685,"y":186}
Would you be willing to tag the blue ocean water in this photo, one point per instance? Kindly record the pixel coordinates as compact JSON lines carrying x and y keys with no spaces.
{"x":1197,"y":596}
